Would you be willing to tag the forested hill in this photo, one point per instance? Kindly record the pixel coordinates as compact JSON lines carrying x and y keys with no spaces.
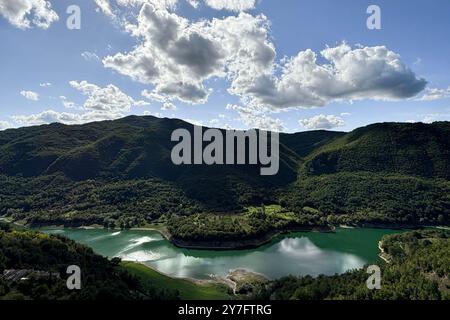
{"x":129,"y":148}
{"x":120,"y":173}
{"x":139,"y":147}
{"x":411,"y":149}
{"x":34,"y":265}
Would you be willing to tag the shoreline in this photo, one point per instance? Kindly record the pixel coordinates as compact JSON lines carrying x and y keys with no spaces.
{"x":250,"y":243}
{"x":383,"y":255}
{"x":227,"y":245}
{"x":242,"y":244}
{"x":214,"y":279}
{"x":205,"y":245}
{"x":227,"y":280}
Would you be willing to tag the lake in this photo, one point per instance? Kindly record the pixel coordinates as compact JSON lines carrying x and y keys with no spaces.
{"x":302,"y":253}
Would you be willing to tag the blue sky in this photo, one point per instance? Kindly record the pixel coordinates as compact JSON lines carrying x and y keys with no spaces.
{"x":50,"y":73}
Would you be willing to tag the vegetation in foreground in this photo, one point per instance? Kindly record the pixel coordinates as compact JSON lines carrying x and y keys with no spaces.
{"x":188,"y":289}
{"x":45,"y":258}
{"x":419,"y":269}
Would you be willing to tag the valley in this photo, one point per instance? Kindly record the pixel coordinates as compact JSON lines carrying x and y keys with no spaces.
{"x":212,"y":232}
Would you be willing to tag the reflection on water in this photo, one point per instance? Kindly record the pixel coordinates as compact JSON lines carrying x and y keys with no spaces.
{"x":306,"y":256}
{"x":133,"y":251}
{"x":299,"y":247}
{"x":299,"y":254}
{"x":138,"y":242}
{"x":140,"y":256}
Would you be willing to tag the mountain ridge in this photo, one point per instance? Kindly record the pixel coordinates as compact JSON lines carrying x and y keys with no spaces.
{"x":120,"y":173}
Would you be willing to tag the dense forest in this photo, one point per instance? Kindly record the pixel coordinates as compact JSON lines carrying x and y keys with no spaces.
{"x":253,"y":223}
{"x":45,"y":259}
{"x":419,"y":269}
{"x":119,"y":174}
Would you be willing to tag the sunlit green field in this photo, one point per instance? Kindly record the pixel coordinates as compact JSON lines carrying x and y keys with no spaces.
{"x":188,"y":289}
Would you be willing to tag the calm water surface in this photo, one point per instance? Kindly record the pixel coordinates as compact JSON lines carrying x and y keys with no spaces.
{"x":303,"y":253}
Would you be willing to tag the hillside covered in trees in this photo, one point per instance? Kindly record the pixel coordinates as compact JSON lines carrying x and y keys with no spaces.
{"x":419,"y":269}
{"x":45,"y":259}
{"x":119,"y":174}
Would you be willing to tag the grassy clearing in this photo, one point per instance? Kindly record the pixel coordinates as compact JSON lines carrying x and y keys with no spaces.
{"x":189,"y":290}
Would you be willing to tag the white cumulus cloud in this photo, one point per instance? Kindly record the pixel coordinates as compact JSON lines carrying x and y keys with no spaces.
{"x":51,"y":116}
{"x":102,"y":103}
{"x":432,"y":94}
{"x":322,"y":121}
{"x":351,"y":74}
{"x":111,"y":8}
{"x":253,"y":118}
{"x":105,"y":7}
{"x":5,"y":125}
{"x":108,"y":99}
{"x":67,"y":103}
{"x":434,"y":117}
{"x":25,"y":14}
{"x":177,"y":56}
{"x":231,"y":5}
{"x":169,"y":106}
{"x":30,"y":95}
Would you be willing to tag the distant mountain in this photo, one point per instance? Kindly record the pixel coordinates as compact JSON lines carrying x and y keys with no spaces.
{"x":412,"y":149}
{"x":132,"y":147}
{"x":121,"y":172}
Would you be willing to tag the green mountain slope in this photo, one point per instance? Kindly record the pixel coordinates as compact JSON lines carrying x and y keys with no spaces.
{"x":410,"y":149}
{"x":132,"y":147}
{"x":120,"y":173}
